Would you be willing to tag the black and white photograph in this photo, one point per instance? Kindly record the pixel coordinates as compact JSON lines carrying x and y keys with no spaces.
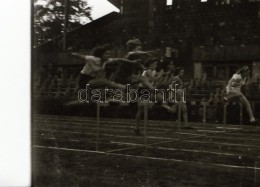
{"x":145,"y":93}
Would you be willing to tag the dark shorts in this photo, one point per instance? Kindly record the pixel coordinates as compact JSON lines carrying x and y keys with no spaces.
{"x":83,"y":80}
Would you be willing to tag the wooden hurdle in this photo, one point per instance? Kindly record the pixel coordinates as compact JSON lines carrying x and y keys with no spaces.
{"x":99,"y":105}
{"x":140,"y":103}
{"x":255,"y":174}
{"x":146,"y":110}
{"x":204,"y":105}
{"x":179,"y":117}
{"x":98,"y":122}
{"x":204,"y":118}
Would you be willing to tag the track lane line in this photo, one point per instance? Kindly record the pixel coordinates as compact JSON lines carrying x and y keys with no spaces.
{"x":145,"y":157}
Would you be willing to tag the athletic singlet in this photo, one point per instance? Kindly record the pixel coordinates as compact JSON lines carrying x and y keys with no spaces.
{"x":92,"y":66}
{"x":236,"y":82}
{"x":150,"y":74}
{"x":177,"y":82}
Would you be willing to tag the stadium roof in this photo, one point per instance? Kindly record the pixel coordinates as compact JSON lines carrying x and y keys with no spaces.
{"x":99,"y":21}
{"x":115,"y":2}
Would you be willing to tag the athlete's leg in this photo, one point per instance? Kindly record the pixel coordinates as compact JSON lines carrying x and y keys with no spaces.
{"x":244,"y":100}
{"x":183,"y":108}
{"x":233,"y":94}
{"x":162,"y":99}
{"x":104,"y":82}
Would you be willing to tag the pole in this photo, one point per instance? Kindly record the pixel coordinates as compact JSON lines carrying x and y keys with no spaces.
{"x":145,"y":123}
{"x":179,"y":117}
{"x":98,"y":126}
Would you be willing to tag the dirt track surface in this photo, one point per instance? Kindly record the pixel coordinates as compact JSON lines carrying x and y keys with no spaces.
{"x":66,"y":151}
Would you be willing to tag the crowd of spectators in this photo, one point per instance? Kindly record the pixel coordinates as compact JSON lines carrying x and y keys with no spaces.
{"x":56,"y":82}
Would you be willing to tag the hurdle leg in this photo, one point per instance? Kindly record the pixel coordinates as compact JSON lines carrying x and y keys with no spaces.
{"x":98,"y":126}
{"x":145,"y":123}
{"x":204,"y":114}
{"x":255,"y":174}
{"x":204,"y":118}
{"x":179,"y":117}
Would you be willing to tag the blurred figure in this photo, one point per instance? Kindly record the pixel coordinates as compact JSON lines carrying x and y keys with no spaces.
{"x":133,"y":45}
{"x":179,"y":85}
{"x":150,"y":75}
{"x":190,"y":88}
{"x":93,"y":71}
{"x":211,"y":99}
{"x":233,"y":90}
{"x":204,"y":81}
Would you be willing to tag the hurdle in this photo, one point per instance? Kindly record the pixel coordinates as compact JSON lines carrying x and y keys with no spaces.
{"x":146,"y":109}
{"x":98,"y":122}
{"x":99,"y":105}
{"x":240,"y":112}
{"x":255,"y":174}
{"x":179,"y":117}
{"x":204,"y":104}
{"x":140,"y":103}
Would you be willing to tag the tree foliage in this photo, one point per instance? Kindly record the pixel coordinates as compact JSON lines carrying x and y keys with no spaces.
{"x":49,"y":16}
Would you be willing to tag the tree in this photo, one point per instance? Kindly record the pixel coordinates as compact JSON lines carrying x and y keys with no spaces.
{"x":49,"y":17}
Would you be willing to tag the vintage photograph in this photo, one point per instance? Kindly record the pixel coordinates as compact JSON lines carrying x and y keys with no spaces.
{"x":149,"y":93}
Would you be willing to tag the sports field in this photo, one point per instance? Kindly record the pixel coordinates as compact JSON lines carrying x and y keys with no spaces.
{"x":71,"y":151}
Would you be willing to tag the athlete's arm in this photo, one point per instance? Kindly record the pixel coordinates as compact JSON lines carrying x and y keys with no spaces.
{"x":122,"y":60}
{"x":174,"y":82}
{"x":78,"y":55}
{"x":138,"y":53}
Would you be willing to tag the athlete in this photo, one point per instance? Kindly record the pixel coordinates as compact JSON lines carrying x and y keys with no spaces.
{"x":130,"y":71}
{"x":179,"y":86}
{"x":233,"y":90}
{"x":151,"y":76}
{"x":93,"y":71}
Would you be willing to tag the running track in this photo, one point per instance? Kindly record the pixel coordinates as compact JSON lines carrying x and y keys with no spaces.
{"x":64,"y":153}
